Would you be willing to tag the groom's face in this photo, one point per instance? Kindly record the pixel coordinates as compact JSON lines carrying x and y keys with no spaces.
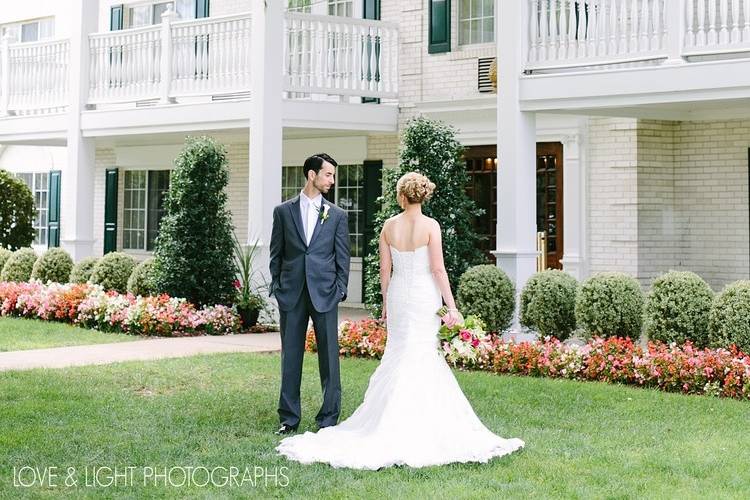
{"x":325,"y":177}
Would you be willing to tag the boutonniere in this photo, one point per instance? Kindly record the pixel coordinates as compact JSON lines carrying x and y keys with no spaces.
{"x":324,"y":213}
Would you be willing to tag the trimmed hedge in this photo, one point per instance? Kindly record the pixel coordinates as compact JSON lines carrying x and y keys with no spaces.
{"x":82,"y":270}
{"x":487,"y":292}
{"x":141,"y":281}
{"x":610,"y":305}
{"x":548,"y":303}
{"x":678,"y":307}
{"x":113,"y":270}
{"x":19,"y":265}
{"x":729,"y":319}
{"x":53,"y":265}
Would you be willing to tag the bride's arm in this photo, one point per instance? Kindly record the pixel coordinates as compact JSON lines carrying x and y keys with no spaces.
{"x":437,"y":266}
{"x":385,"y":267}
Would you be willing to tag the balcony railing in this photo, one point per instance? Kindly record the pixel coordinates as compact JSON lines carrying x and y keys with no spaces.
{"x":576,"y":33}
{"x":33,"y":76}
{"x":208,"y":57}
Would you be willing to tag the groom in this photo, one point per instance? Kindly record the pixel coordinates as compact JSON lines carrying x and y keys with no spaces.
{"x":309,"y":277}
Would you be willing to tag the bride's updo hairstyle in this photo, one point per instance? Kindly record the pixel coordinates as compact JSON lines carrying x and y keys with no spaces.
{"x":416,"y":187}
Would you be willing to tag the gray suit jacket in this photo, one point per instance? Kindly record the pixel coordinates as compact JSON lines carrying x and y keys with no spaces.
{"x":324,"y":264}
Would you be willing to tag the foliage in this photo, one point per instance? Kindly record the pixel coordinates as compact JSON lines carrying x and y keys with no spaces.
{"x":53,"y":265}
{"x":729,"y":319}
{"x":113,"y":270}
{"x":610,"y":305}
{"x":487,"y":292}
{"x":82,"y":270}
{"x":16,"y":213}
{"x":19,"y":265}
{"x":548,"y":302}
{"x":141,"y":281}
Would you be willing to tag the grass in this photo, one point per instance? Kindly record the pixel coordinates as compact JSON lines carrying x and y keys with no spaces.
{"x":582,"y":439}
{"x":21,"y":334}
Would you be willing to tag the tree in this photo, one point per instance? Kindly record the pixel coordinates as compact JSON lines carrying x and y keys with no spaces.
{"x":16,"y":213}
{"x":193,"y":254}
{"x":430,"y":148}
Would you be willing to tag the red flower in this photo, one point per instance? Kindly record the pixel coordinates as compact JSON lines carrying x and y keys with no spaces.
{"x":237,"y":284}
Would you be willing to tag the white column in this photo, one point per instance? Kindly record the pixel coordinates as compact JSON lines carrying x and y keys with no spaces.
{"x":167,"y":17}
{"x":516,"y":144}
{"x":77,"y":179}
{"x":264,"y":193}
{"x":573,"y":202}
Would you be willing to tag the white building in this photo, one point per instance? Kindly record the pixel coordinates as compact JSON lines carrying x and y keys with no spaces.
{"x":631,"y":116}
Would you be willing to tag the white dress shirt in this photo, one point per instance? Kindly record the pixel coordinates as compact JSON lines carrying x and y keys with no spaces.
{"x":309,"y":212}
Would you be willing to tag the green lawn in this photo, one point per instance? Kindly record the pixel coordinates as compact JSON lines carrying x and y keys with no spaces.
{"x":20,"y":334}
{"x":583,"y":440}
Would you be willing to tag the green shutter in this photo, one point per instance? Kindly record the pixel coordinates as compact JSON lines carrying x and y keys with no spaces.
{"x":116,"y":18}
{"x":110,"y":211}
{"x":440,"y":26}
{"x":53,"y":217}
{"x":373,"y":187}
{"x":201,"y":8}
{"x":371,"y":10}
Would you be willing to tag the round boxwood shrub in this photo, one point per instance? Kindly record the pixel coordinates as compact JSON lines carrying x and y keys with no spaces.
{"x":113,"y":270}
{"x":487,"y":292}
{"x":141,"y":279}
{"x":548,"y":303}
{"x":677,"y":308}
{"x":19,"y":265}
{"x":53,"y":265}
{"x":4,"y":256}
{"x":610,"y":305}
{"x":729,"y":319}
{"x":81,"y":272}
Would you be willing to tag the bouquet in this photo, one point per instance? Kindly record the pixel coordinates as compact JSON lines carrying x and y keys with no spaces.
{"x":463,"y":341}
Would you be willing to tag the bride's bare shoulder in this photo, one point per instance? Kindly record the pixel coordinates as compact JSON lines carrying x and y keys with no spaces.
{"x":432,"y":222}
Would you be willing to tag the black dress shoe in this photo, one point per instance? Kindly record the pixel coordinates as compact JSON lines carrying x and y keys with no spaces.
{"x":285,"y":429}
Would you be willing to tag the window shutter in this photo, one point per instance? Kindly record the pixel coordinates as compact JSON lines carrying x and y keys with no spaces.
{"x":53,"y":217}
{"x":110,"y":211}
{"x":201,"y":8}
{"x":440,"y":27}
{"x":371,"y":10}
{"x":116,"y":17}
{"x":373,"y":187}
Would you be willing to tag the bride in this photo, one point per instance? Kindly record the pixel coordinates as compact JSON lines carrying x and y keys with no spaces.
{"x":414,"y":412}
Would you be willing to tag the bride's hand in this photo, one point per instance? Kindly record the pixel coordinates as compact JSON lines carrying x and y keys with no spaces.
{"x":450,"y":319}
{"x":383,"y":315}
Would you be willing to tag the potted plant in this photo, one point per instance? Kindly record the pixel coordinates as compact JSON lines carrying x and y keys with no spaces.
{"x":249,"y":302}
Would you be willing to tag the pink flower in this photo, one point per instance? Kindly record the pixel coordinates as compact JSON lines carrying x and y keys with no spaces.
{"x":237,"y":284}
{"x":465,"y":335}
{"x":475,"y":342}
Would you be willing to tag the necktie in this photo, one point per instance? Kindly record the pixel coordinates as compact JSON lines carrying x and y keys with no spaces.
{"x":312,"y":217}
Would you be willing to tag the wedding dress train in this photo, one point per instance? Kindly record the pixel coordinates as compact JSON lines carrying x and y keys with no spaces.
{"x":414,"y":412}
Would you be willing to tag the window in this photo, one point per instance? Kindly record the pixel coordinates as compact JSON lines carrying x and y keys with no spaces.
{"x":340,"y":8}
{"x":304,"y":6}
{"x":38,"y":184}
{"x":348,"y":192}
{"x":30,"y":31}
{"x":144,"y":194}
{"x":150,"y":13}
{"x":476,"y":21}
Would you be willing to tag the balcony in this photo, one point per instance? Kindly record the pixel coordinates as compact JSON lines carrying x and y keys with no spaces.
{"x":199,"y":62}
{"x":589,"y":54}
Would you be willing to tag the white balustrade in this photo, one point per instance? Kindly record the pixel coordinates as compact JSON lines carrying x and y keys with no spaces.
{"x":33,"y":76}
{"x":573,"y":33}
{"x":717,"y":26}
{"x":340,"y":56}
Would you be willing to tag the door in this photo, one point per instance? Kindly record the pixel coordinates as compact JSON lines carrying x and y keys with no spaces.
{"x":481,"y":167}
{"x":549,"y":199}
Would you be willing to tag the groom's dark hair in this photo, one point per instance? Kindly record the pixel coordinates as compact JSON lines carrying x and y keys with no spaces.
{"x":315,"y":162}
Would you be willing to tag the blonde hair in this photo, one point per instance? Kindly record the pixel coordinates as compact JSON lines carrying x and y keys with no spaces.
{"x":416,"y":187}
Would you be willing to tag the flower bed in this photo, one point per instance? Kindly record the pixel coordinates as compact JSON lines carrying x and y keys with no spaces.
{"x":669,"y":367}
{"x":90,"y":306}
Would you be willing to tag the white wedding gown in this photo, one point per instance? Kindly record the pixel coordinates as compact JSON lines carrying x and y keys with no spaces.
{"x":414,"y":412}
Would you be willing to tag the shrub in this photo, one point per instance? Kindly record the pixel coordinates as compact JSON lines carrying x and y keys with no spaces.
{"x":677,"y":308}
{"x":430,"y":148}
{"x":194,"y":250}
{"x":141,"y":280}
{"x":610,"y":305}
{"x":19,"y":265}
{"x":729,"y":319}
{"x":53,"y":265}
{"x":16,"y":213}
{"x":113,"y":270}
{"x":487,"y":292}
{"x":548,"y":303}
{"x":81,"y":272}
{"x":4,"y":256}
